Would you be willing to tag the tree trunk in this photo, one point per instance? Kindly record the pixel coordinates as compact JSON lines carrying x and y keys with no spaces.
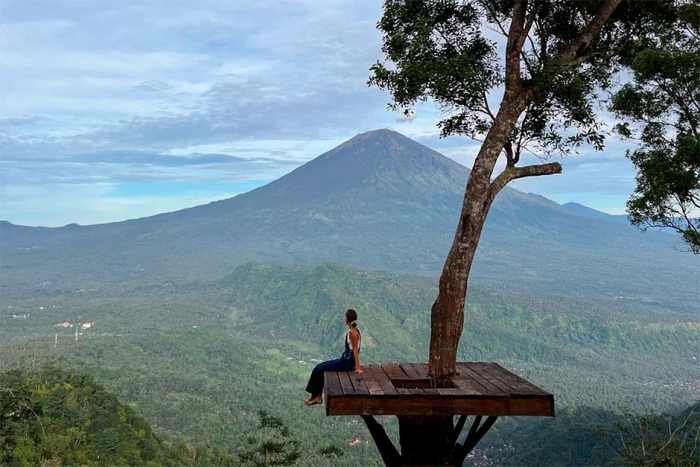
{"x":447,"y":315}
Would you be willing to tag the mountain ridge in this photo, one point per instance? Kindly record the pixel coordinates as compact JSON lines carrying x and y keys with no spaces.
{"x":378,"y":201}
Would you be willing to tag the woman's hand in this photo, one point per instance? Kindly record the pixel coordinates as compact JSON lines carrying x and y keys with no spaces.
{"x":358,"y":370}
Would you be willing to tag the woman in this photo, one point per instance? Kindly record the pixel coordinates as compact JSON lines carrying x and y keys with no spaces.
{"x":349,"y":360}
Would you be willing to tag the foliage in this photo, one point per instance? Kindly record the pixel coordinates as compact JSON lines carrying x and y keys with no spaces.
{"x":274,"y":445}
{"x":438,"y":50}
{"x":663,"y":104}
{"x":56,"y":417}
{"x":657,"y":440}
{"x":53,"y":416}
{"x":569,"y":51}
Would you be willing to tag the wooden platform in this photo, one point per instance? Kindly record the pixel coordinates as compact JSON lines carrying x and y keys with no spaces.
{"x":404,"y":389}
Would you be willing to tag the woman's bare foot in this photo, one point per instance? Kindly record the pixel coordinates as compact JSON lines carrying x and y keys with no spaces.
{"x":314,"y":400}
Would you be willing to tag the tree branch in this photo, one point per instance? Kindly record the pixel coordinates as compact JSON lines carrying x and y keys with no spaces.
{"x":579,"y":48}
{"x":514,"y":47}
{"x":487,"y":107}
{"x":512,"y":173}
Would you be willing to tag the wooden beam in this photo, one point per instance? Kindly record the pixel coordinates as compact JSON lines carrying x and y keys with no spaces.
{"x":390,"y":455}
{"x":458,"y":429}
{"x":476,"y":432}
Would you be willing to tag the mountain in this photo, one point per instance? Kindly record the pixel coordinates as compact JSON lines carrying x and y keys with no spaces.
{"x":594,"y":213}
{"x":378,"y":201}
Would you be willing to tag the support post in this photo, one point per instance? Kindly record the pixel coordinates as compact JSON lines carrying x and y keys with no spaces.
{"x":390,"y":455}
{"x":425,"y":440}
{"x":476,"y":432}
{"x":428,"y":440}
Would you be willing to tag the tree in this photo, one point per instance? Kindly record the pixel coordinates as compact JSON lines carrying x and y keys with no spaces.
{"x":559,"y":55}
{"x":657,"y":440}
{"x":274,"y":445}
{"x":663,"y":104}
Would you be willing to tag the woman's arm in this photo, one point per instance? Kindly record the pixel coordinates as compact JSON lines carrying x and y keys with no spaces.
{"x":354,"y":340}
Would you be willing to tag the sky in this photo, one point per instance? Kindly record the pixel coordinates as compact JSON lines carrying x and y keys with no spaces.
{"x":118,"y":110}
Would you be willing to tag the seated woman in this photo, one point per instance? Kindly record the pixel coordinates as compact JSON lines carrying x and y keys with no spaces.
{"x":349,"y":360}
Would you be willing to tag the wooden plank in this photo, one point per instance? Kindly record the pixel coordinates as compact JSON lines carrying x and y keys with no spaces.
{"x":403,"y":391}
{"x":431,"y":391}
{"x":345,"y":383}
{"x":417,"y":391}
{"x":465,"y":386}
{"x":421,"y":369}
{"x":520,"y":385}
{"x":490,"y":388}
{"x":372,"y":384}
{"x":332,"y":384}
{"x":542,"y":405}
{"x":394,"y":371}
{"x":382,"y":379}
{"x":482,"y":371}
{"x":409,"y":370}
{"x":516,"y":387}
{"x":469,"y":380}
{"x":427,"y":405}
{"x":358,"y":382}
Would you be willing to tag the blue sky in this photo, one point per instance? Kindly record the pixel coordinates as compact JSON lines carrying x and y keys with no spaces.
{"x":118,"y":110}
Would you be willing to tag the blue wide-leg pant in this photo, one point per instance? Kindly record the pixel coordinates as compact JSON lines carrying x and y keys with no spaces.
{"x":315,"y":386}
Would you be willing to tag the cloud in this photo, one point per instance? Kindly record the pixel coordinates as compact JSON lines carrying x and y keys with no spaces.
{"x":191,"y":92}
{"x":141,"y":158}
{"x":21,"y":121}
{"x":91,"y":203}
{"x":152,"y":86}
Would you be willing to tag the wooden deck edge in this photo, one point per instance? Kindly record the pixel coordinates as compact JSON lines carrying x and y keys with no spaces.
{"x":440,"y":405}
{"x":491,"y":391}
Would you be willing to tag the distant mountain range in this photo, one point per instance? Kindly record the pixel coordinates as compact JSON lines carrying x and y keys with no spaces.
{"x":590,"y":212}
{"x":377,"y":201}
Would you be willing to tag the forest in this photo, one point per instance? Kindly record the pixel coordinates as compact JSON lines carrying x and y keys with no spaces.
{"x":199,"y":360}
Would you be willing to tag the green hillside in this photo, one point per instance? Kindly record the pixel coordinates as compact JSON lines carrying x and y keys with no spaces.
{"x":199,"y":359}
{"x":200,"y":387}
{"x":203,"y":387}
{"x":609,"y":343}
{"x":52,"y":417}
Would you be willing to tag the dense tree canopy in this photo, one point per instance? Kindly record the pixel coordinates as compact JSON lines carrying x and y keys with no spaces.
{"x":662,"y":111}
{"x":558,"y":52}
